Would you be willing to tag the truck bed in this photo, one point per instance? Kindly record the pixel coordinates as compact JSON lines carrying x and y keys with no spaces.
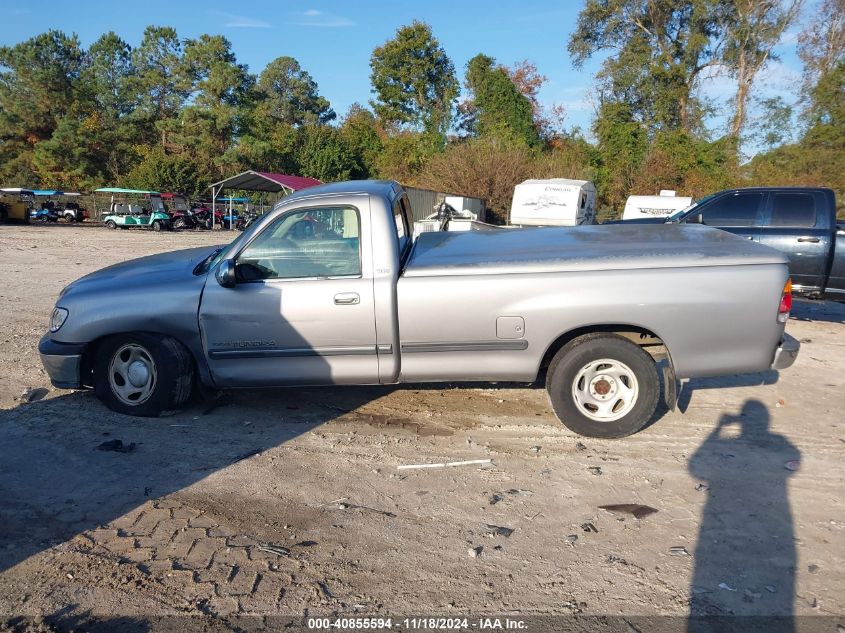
{"x":582,"y":248}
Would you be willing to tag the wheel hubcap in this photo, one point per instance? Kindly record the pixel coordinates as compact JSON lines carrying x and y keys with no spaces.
{"x":605,"y":390}
{"x":132,"y":374}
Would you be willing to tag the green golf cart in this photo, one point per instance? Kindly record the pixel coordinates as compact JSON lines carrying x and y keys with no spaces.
{"x":134,"y":208}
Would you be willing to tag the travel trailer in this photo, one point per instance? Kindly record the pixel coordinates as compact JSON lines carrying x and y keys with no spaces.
{"x":661,"y":206}
{"x":554,"y":202}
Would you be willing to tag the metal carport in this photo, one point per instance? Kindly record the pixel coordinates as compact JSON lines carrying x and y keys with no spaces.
{"x":265,"y":181}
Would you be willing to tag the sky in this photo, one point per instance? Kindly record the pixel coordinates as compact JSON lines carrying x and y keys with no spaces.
{"x":333,"y":40}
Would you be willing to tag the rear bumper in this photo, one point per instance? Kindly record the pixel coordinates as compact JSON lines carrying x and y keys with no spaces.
{"x":786,"y":352}
{"x":62,"y":362}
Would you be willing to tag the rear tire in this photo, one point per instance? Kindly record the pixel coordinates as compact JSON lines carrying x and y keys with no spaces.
{"x":603,"y":385}
{"x":111,"y":224}
{"x":143,"y":374}
{"x":179,"y":223}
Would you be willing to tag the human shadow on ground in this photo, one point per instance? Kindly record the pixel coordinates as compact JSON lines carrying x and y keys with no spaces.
{"x":747,"y":517}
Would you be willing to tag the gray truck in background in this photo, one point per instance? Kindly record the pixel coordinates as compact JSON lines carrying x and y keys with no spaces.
{"x":798,"y":221}
{"x":330,"y":288}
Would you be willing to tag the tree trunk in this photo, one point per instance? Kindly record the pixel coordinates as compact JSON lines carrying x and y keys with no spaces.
{"x":743,"y":84}
{"x":683,"y":113}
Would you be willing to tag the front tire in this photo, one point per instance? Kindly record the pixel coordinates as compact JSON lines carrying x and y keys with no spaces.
{"x":603,"y":385}
{"x":157,"y":226}
{"x":111,"y":224}
{"x":143,"y":374}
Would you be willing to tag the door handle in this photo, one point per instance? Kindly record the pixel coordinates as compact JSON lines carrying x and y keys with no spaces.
{"x":347,"y":299}
{"x":814,"y":240}
{"x":749,"y":237}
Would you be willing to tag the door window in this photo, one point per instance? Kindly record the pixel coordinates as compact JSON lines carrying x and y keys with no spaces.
{"x":738,"y":209}
{"x":793,"y":209}
{"x":319,"y":242}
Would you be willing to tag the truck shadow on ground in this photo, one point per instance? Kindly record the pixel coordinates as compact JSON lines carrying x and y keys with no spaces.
{"x":769,"y":377}
{"x":829,"y":311}
{"x":55,"y":483}
{"x":746,"y":517}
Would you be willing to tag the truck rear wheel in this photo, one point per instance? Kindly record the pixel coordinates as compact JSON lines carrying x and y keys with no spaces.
{"x":143,"y":374}
{"x":603,"y":385}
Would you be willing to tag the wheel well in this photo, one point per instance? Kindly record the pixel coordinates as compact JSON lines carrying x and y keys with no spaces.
{"x":89,"y":356}
{"x":643,"y":337}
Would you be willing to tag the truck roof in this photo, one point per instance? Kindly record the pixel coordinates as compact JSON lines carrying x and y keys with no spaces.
{"x":581,"y":248}
{"x":386,"y":188}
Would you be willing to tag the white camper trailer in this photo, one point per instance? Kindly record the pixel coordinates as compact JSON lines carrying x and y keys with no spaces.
{"x":661,"y":206}
{"x":554,"y":202}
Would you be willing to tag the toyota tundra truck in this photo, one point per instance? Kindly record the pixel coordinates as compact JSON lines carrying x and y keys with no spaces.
{"x":330,"y":288}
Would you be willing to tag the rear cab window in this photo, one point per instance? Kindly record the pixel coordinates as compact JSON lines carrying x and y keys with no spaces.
{"x":794,"y":209}
{"x":402,"y":221}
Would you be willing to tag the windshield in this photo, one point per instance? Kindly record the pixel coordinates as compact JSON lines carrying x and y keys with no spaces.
{"x":675,"y":217}
{"x":215,"y":256}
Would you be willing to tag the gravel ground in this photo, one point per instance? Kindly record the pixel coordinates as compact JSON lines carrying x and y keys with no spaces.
{"x":290,"y":501}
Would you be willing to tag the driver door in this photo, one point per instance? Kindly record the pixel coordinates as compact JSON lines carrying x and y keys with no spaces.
{"x":302,"y":309}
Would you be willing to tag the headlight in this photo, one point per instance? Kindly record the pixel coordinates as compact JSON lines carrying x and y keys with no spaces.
{"x":57,"y":319}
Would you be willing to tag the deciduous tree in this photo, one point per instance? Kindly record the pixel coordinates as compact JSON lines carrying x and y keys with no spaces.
{"x":414,"y":81}
{"x":752,"y":28}
{"x":659,"y":49}
{"x":497,"y":109}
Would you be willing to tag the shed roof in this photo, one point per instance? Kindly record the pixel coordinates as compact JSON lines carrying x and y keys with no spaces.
{"x":251,"y":180}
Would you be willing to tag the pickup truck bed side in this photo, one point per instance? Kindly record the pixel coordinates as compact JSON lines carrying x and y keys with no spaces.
{"x":552,"y":281}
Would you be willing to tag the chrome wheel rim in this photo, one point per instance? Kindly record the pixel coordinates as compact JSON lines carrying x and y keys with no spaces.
{"x":132,"y":374}
{"x":605,"y":390}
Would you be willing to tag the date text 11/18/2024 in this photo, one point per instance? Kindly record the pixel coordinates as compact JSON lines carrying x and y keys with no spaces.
{"x":416,"y":624}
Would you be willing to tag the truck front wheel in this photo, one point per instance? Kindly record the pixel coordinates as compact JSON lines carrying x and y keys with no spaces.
{"x":603,"y":385}
{"x":111,"y":224}
{"x":143,"y":374}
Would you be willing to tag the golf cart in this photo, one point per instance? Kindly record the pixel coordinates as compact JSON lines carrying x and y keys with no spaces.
{"x":45,"y":208}
{"x":15,"y":204}
{"x":53,"y":206}
{"x":70,"y":209}
{"x":181,"y":216}
{"x":134,"y":208}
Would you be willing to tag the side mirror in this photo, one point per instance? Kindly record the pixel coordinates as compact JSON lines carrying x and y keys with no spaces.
{"x":225,"y":273}
{"x":695,"y":218}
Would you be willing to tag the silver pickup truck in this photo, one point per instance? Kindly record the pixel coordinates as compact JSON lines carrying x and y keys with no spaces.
{"x":331,"y":288}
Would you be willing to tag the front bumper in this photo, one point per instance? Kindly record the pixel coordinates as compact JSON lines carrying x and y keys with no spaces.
{"x":786,"y":353}
{"x":62,"y":362}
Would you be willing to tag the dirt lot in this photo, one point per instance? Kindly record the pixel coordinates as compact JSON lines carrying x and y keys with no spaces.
{"x":182,"y":524}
